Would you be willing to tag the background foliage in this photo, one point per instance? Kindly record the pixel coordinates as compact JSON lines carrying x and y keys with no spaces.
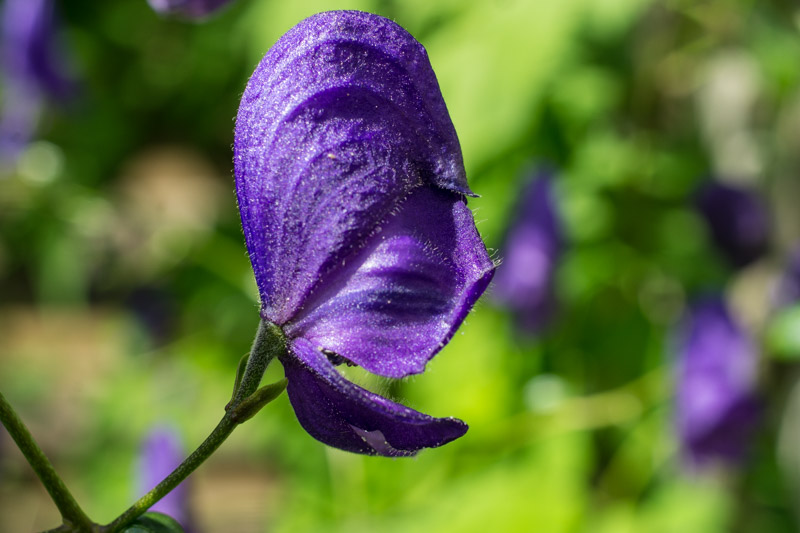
{"x":126,"y":297}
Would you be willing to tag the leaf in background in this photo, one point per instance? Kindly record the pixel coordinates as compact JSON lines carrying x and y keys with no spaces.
{"x":783,"y":334}
{"x":154,"y":523}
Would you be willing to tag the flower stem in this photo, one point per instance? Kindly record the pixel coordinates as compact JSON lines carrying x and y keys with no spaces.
{"x":71,"y":512}
{"x":209,"y":446}
{"x":269,"y":343}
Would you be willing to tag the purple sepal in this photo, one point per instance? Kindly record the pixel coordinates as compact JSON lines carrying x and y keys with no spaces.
{"x":346,"y":416}
{"x":341,"y":120}
{"x":737,"y":220}
{"x":717,"y":404}
{"x":533,"y":246}
{"x":160,"y":454}
{"x":194,"y":9}
{"x":351,"y":191}
{"x":398,"y":301}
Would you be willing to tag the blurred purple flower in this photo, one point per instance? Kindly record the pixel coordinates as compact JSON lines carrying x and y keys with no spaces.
{"x":533,"y":246}
{"x":737,"y":219}
{"x":187,"y":8}
{"x":351,"y":189}
{"x":33,"y":70}
{"x":160,"y":454}
{"x":717,"y":405}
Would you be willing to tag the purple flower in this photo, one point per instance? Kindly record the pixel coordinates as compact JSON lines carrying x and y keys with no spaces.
{"x":160,"y":454}
{"x":33,"y":70}
{"x":187,"y":8}
{"x":737,"y":219}
{"x":533,"y":246}
{"x":717,"y":405}
{"x":351,"y":189}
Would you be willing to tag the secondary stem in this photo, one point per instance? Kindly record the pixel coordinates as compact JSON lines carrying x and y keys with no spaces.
{"x":209,"y":446}
{"x":269,"y":343}
{"x":70,"y":511}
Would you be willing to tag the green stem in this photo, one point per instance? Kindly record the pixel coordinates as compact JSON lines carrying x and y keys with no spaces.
{"x":71,"y":512}
{"x":209,"y":446}
{"x":269,"y":343}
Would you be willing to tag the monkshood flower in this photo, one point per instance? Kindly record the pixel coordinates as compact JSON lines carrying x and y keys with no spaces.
{"x":717,"y":404}
{"x":32,"y":70}
{"x":737,"y":219}
{"x":160,"y":454}
{"x":533,"y":246}
{"x":351,"y":188}
{"x":187,"y":8}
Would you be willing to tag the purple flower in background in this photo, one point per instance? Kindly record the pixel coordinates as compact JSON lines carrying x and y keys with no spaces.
{"x":737,"y":219}
{"x":351,"y":189}
{"x":33,"y":70}
{"x":717,"y":405}
{"x":187,"y":8}
{"x":160,"y":454}
{"x":533,"y":246}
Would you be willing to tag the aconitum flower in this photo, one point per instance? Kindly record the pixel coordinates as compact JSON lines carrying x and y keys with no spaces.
{"x":737,"y":219}
{"x":351,"y":188}
{"x":160,"y":454}
{"x":187,"y":8}
{"x":717,"y":405}
{"x":32,"y":70}
{"x":532,"y":249}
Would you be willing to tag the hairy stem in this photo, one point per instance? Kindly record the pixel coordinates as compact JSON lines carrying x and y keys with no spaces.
{"x":209,"y":446}
{"x":74,"y":517}
{"x":269,"y":343}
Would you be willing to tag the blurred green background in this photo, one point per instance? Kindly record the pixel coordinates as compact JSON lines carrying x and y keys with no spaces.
{"x":126,"y":296}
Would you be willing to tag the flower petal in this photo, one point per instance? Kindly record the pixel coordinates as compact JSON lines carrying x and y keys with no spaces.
{"x":346,"y":416}
{"x":33,"y":70}
{"x":395,"y":304}
{"x":533,"y":246}
{"x":161,"y":453}
{"x":737,"y":219}
{"x":717,"y":403}
{"x":340,"y":121}
{"x":32,"y":59}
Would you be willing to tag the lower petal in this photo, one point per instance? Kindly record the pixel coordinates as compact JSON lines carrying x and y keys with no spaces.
{"x":346,"y":416}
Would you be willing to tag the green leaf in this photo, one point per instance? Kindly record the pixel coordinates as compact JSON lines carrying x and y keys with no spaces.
{"x":253,"y":403}
{"x":239,"y":373}
{"x":783,"y":334}
{"x":154,"y":522}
